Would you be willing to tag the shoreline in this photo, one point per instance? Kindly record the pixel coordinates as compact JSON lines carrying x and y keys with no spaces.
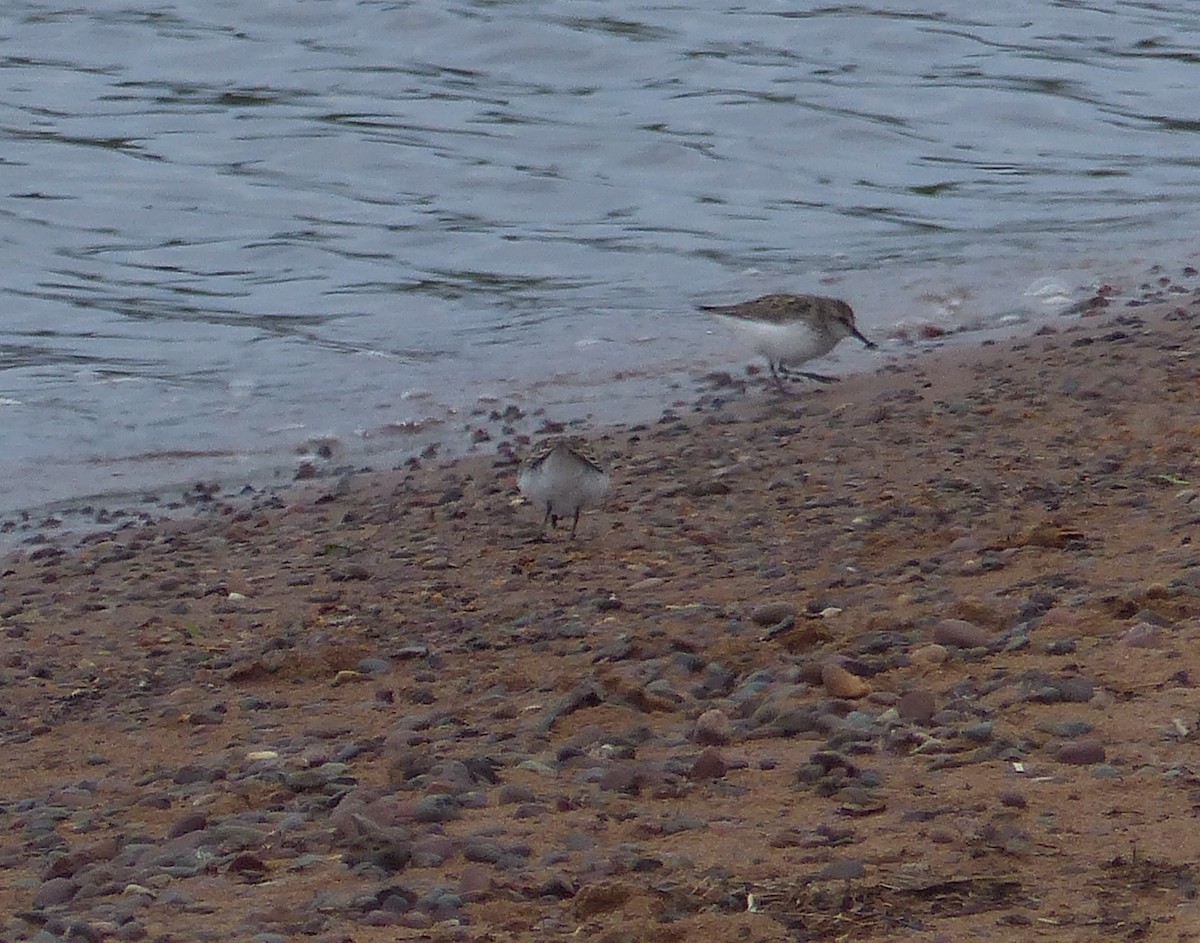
{"x":926,"y":638}
{"x":72,"y":521}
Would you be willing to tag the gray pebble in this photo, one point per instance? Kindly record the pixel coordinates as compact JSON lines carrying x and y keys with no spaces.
{"x":439,"y":807}
{"x":1067,"y":729}
{"x":980,"y":732}
{"x":186,"y":775}
{"x":511,"y":793}
{"x":847,"y":870}
{"x":54,"y":892}
{"x":441,"y":903}
{"x":483,"y":850}
{"x":712,"y":729}
{"x":1061,"y":646}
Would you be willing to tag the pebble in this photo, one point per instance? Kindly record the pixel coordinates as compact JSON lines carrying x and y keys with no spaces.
{"x":841,"y":683}
{"x":1081,"y":752}
{"x":980,"y":732}
{"x":593,"y":899}
{"x":1143,"y":635}
{"x":512,"y":793}
{"x":54,"y":892}
{"x":190,"y":822}
{"x":708,"y":765}
{"x":432,"y":850}
{"x":438,"y":807}
{"x":960,"y":633}
{"x":772,"y":613}
{"x":916,"y":706}
{"x":1061,"y":646}
{"x":1067,"y":729}
{"x":849,"y":869}
{"x":929,"y":655}
{"x":712,"y":728}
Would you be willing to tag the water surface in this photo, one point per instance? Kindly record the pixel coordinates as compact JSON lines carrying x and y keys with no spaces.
{"x":233,"y":230}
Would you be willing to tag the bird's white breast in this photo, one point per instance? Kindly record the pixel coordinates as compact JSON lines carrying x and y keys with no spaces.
{"x":790,"y":343}
{"x":562,"y":483}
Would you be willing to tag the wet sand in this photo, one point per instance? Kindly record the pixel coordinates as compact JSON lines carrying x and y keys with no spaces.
{"x":912,"y":656}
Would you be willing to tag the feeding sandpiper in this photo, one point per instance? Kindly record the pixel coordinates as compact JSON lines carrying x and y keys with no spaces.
{"x":562,"y":475}
{"x":791,"y":329}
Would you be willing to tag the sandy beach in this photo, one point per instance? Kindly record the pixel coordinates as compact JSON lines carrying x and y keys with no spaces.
{"x":912,"y":656}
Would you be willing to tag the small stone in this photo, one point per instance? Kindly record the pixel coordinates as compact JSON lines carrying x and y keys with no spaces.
{"x":594,"y":899}
{"x":432,"y":850}
{"x":1143,"y":635}
{"x":474,"y":883}
{"x":713,"y":728}
{"x":929,"y":655}
{"x":708,"y":765}
{"x":438,"y":807}
{"x":1081,"y":752}
{"x":1075,"y":690}
{"x":772,"y":613}
{"x":848,"y":870}
{"x":190,"y":822}
{"x":55,"y":891}
{"x":960,"y":633}
{"x":1067,"y":729}
{"x":841,"y":683}
{"x":980,"y":732}
{"x":511,"y":793}
{"x":916,"y":706}
{"x":1061,"y":646}
{"x":441,"y":903}
{"x":482,"y":850}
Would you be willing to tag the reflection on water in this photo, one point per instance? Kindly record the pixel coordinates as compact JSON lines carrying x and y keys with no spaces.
{"x":233,"y":229}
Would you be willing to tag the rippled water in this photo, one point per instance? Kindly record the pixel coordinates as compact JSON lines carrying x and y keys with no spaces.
{"x":231,"y":228}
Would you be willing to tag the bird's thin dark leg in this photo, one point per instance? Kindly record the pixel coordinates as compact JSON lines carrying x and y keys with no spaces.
{"x":819,"y":377}
{"x":775,"y":376}
{"x":575,"y":523}
{"x":793,"y":374}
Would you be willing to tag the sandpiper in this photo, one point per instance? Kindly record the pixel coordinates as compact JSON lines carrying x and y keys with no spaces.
{"x":791,"y":329}
{"x":562,"y":475}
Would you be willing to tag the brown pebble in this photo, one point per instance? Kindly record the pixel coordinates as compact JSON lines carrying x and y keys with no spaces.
{"x":1081,"y":752}
{"x":929,"y":655}
{"x":1013,"y":799}
{"x":772,"y":613}
{"x":916,"y":706}
{"x":708,"y":765}
{"x":841,"y":683}
{"x":189,"y":822}
{"x":595,"y":899}
{"x":960,"y":633}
